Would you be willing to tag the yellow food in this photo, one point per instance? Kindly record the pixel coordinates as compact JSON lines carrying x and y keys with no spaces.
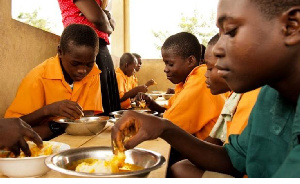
{"x":47,"y":149}
{"x":115,"y":165}
{"x":142,"y":104}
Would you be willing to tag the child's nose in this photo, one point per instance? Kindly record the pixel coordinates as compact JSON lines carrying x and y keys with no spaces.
{"x":82,"y":70}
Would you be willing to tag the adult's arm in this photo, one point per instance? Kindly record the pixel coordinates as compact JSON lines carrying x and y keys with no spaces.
{"x":94,"y":13}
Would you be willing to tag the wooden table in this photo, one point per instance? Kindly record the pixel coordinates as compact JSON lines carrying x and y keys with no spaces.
{"x":103,"y":139}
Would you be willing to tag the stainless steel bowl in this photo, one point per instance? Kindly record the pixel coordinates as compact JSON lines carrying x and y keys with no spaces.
{"x":85,"y":125}
{"x":154,"y":96}
{"x":149,"y":160}
{"x":167,"y":96}
{"x":118,"y":114}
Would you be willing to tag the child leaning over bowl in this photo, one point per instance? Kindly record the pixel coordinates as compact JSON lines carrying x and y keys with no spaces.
{"x":66,"y":85}
{"x":181,"y":55}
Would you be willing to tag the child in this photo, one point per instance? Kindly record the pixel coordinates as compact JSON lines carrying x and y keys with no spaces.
{"x":237,"y":107}
{"x":259,"y":45}
{"x":126,"y":90}
{"x":66,"y":85}
{"x":181,"y":54}
{"x":133,"y":78}
{"x":232,"y":120}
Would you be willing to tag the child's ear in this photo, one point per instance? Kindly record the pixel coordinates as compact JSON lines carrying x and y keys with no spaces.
{"x":192,"y":61}
{"x":292,"y":26}
{"x":59,"y":52}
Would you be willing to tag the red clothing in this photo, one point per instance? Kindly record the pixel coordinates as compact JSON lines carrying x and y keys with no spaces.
{"x":72,"y":15}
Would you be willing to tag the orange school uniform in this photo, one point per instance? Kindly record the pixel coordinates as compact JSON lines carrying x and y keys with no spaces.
{"x":193,"y":107}
{"x":45,"y":84}
{"x":133,"y":81}
{"x":124,"y":85}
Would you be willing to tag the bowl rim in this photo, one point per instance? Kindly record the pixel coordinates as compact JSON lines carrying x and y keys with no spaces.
{"x":69,"y":121}
{"x":161,"y":161}
{"x":38,"y":157}
{"x":155,"y":113}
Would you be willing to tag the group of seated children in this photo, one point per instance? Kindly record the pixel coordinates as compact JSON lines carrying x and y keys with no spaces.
{"x":269,"y":145}
{"x":222,"y":119}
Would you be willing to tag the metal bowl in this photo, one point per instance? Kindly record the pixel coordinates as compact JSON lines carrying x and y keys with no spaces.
{"x":28,"y":166}
{"x":85,"y":125}
{"x":167,"y":96}
{"x":149,"y":160}
{"x":118,"y":114}
{"x":154,"y":96}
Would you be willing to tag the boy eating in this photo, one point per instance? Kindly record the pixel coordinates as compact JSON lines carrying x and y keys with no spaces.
{"x":66,"y":85}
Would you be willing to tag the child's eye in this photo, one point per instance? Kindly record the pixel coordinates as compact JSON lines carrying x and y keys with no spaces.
{"x":231,"y":32}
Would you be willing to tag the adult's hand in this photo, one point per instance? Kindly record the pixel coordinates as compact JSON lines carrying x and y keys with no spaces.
{"x":13,"y":135}
{"x":64,"y":108}
{"x":133,"y":128}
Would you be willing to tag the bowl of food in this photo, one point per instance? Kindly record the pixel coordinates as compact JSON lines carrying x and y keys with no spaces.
{"x":154,"y":96}
{"x":157,"y":92}
{"x":84,"y":126}
{"x":99,"y":162}
{"x":118,"y":114}
{"x":33,"y":166}
{"x":167,"y":96}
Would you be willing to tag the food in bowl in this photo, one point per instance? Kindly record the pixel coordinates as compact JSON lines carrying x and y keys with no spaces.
{"x":31,"y":166}
{"x":116,"y":164}
{"x":62,"y":162}
{"x":142,"y":104}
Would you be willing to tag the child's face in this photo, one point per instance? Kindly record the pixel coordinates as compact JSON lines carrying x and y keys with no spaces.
{"x":176,"y":67}
{"x":139,"y":65}
{"x":130,"y":69}
{"x":214,"y":82}
{"x":78,"y":61}
{"x":251,"y":49}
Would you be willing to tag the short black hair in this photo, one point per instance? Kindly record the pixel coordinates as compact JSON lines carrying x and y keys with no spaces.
{"x":203,"y":48}
{"x":272,"y":8}
{"x":214,"y":40}
{"x":127,"y":58}
{"x":137,"y":55}
{"x":78,"y":34}
{"x":184,"y":44}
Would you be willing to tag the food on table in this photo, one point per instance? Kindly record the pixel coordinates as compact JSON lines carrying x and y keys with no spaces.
{"x":142,"y":104}
{"x":115,"y":164}
{"x":47,"y":149}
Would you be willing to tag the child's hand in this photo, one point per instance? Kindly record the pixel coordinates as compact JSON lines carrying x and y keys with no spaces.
{"x":133,"y":128}
{"x":65,"y":108}
{"x":142,"y":88}
{"x":143,"y":97}
{"x":13,"y":135}
{"x":150,"y":83}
